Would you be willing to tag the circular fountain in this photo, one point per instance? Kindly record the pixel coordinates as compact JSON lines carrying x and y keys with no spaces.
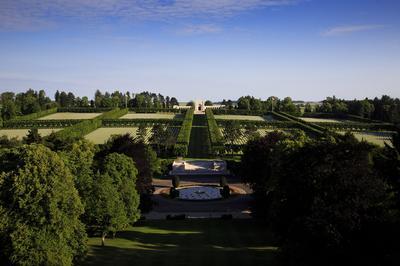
{"x":198,"y":193}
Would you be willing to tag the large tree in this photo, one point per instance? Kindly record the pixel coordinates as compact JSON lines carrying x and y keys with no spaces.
{"x":39,"y":209}
{"x":330,"y":207}
{"x":123,"y":172}
{"x":145,"y":159}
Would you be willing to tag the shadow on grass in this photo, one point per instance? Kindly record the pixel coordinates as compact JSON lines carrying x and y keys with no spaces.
{"x":192,"y":242}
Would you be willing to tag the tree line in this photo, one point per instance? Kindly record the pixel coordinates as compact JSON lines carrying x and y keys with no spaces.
{"x":117,"y":99}
{"x":273,"y":103}
{"x":54,"y":193}
{"x":334,"y":201}
{"x":385,"y":109}
{"x":23,"y":103}
{"x":18,"y":104}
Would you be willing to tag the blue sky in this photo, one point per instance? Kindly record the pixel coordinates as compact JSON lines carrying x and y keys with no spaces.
{"x":306,"y":49}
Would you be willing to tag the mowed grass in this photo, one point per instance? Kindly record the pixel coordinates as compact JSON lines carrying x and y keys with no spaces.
{"x":323,"y":120}
{"x":151,"y":116}
{"x":376,"y":137}
{"x":20,"y":133}
{"x":244,"y":117}
{"x":101,"y":135}
{"x":72,"y":116}
{"x":187,"y":242}
{"x":244,"y":138}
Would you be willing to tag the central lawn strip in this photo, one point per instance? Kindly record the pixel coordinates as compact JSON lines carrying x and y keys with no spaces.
{"x":199,"y":145}
{"x":188,"y":242}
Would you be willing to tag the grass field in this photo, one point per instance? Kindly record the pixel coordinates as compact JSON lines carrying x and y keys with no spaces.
{"x":376,"y":137}
{"x":20,"y":133}
{"x":60,"y":116}
{"x":244,"y":117}
{"x":323,"y":120}
{"x":187,"y":242}
{"x":244,"y":138}
{"x":151,"y":116}
{"x":101,"y":135}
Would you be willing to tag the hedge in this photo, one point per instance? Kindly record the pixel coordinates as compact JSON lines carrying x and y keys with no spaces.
{"x":85,"y":127}
{"x":41,"y":123}
{"x":223,"y":111}
{"x":358,"y":126}
{"x":355,"y":118}
{"x":183,"y":139}
{"x":216,"y":138}
{"x":136,"y":122}
{"x":113,"y":114}
{"x":84,"y":109}
{"x":310,"y":128}
{"x":272,"y":124}
{"x":36,"y":115}
{"x":156,"y":110}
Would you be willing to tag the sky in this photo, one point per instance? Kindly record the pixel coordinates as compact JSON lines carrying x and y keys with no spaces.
{"x":203,"y":49}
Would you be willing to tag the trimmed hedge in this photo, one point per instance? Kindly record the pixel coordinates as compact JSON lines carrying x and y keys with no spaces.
{"x":83,"y":128}
{"x":136,"y":122}
{"x":113,"y":114}
{"x":41,"y":123}
{"x":182,"y":142}
{"x":355,"y":118}
{"x":223,"y":111}
{"x":358,"y":126}
{"x":310,"y":128}
{"x":84,"y":109}
{"x":216,"y":137}
{"x":156,"y":110}
{"x":35,"y":115}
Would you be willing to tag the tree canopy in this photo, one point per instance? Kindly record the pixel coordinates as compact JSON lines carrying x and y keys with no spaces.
{"x":39,"y":210}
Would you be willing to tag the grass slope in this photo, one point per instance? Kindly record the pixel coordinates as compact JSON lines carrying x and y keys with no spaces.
{"x":187,"y":242}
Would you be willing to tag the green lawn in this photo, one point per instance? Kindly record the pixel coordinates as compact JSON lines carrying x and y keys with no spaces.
{"x":187,"y":242}
{"x":199,"y":145}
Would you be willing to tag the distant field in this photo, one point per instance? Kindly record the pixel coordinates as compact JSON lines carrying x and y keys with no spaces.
{"x":378,"y":138}
{"x":323,"y":120}
{"x":101,"y":135}
{"x":20,"y":133}
{"x":244,"y":117}
{"x":188,"y":242}
{"x":243,"y":139}
{"x":60,"y":116}
{"x":150,"y":116}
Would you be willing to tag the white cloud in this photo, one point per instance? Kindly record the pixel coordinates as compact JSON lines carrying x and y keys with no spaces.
{"x":343,"y":30}
{"x":27,"y":14}
{"x":199,"y":29}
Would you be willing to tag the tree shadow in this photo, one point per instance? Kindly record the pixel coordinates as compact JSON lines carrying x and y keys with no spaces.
{"x":189,"y":242}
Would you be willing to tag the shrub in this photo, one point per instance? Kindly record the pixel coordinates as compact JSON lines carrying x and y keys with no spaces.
{"x":222,"y":181}
{"x":165,"y":166}
{"x":225,"y":191}
{"x":173,"y":193}
{"x":175,"y":181}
